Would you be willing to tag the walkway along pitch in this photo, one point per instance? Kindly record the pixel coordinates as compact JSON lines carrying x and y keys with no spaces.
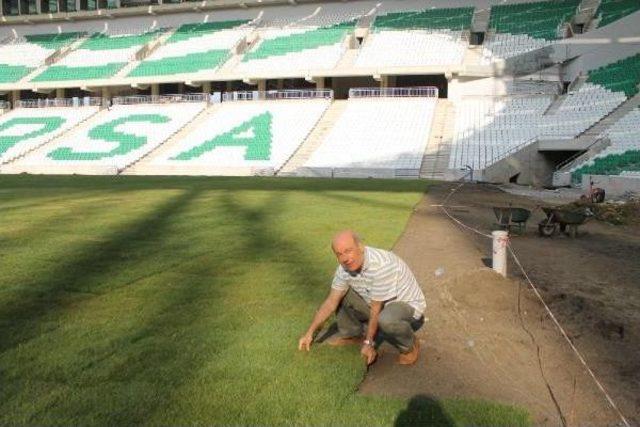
{"x":486,"y":337}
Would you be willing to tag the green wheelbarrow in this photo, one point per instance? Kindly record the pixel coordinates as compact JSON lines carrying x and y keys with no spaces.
{"x":509,"y":218}
{"x":562,"y":220}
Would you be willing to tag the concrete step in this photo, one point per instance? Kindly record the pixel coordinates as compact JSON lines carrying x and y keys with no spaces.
{"x":348,"y":58}
{"x":435,"y":160}
{"x":472,"y":57}
{"x":555,"y":104}
{"x":480,"y":21}
{"x":230,"y":64}
{"x":143,"y":53}
{"x":610,"y":119}
{"x":53,"y":58}
{"x":315,"y":138}
{"x":586,"y":12}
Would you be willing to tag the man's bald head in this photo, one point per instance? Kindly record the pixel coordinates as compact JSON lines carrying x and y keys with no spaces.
{"x":345,"y":236}
{"x":348,"y":249}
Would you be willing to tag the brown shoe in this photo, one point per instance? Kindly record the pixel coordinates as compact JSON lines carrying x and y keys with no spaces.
{"x":337,"y":341}
{"x":412,"y":356}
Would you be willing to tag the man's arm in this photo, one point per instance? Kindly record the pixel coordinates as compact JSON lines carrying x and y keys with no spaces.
{"x":368,"y":351}
{"x":329,"y":305}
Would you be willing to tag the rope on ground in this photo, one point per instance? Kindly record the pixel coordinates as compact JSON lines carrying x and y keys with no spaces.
{"x":544,"y":304}
{"x":566,"y":337}
{"x":460,"y":223}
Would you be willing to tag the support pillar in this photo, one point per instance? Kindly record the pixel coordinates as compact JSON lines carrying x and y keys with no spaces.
{"x":206,"y":87}
{"x":155,"y":89}
{"x":262,"y":85}
{"x":320,"y":81}
{"x":15,"y":97}
{"x":384,"y":82}
{"x":106,"y":96}
{"x":180,"y":88}
{"x":60,"y":92}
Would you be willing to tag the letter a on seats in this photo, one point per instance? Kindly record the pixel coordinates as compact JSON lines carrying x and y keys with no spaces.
{"x":255,"y":134}
{"x":45,"y":125}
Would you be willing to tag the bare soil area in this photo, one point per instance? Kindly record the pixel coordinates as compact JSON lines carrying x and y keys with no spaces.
{"x":490,"y":338}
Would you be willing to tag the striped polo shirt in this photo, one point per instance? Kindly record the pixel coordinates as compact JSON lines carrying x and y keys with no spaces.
{"x":383,"y":277}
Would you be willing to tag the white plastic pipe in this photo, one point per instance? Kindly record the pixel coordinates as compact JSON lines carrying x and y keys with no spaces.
{"x":500,"y":241}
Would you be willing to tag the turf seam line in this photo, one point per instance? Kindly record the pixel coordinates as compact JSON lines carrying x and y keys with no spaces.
{"x":547,"y":309}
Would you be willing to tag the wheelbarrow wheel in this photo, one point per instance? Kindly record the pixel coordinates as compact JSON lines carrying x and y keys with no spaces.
{"x":546,"y":230}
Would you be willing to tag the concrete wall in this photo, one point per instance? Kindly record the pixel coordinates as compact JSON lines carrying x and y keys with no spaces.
{"x":472,"y":86}
{"x":599,"y":47}
{"x":614,"y":186}
{"x":534,"y":168}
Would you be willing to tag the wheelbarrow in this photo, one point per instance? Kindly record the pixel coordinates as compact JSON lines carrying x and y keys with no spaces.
{"x":512,"y":218}
{"x":561,"y":220}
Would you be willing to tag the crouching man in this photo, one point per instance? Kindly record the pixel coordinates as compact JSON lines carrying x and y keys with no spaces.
{"x":371,"y":287}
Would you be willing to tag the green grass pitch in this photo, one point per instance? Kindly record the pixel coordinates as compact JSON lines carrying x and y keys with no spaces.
{"x":175,"y":301}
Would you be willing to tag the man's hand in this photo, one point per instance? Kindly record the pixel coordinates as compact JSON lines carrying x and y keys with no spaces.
{"x":369,"y":354}
{"x":305,"y":342}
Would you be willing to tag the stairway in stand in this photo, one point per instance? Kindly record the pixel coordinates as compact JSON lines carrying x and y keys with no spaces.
{"x":435,"y":161}
{"x":313,"y":141}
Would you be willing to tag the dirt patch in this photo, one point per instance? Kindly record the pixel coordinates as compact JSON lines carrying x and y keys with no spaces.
{"x":488,"y":337}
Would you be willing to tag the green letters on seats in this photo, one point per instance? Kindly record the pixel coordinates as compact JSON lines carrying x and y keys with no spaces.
{"x":48,"y":124}
{"x":106,"y":132}
{"x":258,"y":144}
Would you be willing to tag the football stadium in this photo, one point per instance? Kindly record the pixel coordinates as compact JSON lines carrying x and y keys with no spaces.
{"x":183,"y":183}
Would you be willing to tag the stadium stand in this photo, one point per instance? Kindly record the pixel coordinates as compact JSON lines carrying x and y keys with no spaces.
{"x":376,"y":136}
{"x":488,"y":130}
{"x":418,"y":38}
{"x":611,"y":10}
{"x":579,"y":111}
{"x":296,"y":49}
{"x":100,"y":56}
{"x":242,"y":138}
{"x":621,"y":76}
{"x":24,"y":129}
{"x":522,"y":27}
{"x":193,"y":48}
{"x":606,"y":88}
{"x":21,"y":56}
{"x":111,"y":140}
{"x":623,"y":155}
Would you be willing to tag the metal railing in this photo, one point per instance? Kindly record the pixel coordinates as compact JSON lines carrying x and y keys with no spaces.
{"x":59,"y":102}
{"x":277,"y":95}
{"x":598,"y":145}
{"x":369,"y":92}
{"x":160,"y":99}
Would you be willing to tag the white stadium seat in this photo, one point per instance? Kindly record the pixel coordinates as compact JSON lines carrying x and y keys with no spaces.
{"x":112,"y":140}
{"x":242,"y":138}
{"x":384,"y":134}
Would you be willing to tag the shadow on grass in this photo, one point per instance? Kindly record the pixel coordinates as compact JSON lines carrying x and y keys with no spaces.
{"x":261,"y":243}
{"x":142,"y":370}
{"x":51,"y":295}
{"x":210,"y":183}
{"x":423,"y":411}
{"x":363,"y":201}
